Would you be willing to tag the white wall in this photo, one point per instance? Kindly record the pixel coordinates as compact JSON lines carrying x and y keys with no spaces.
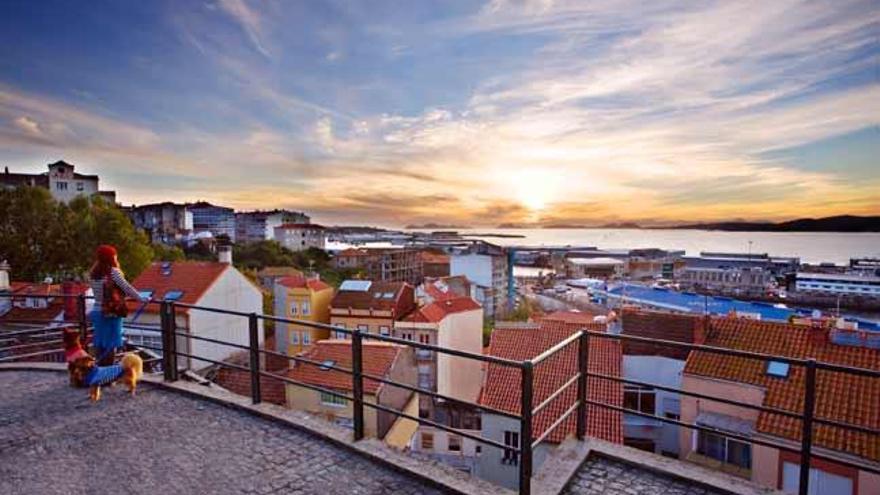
{"x":457,"y":376}
{"x":477,"y":267}
{"x":234,"y":292}
{"x":662,"y":371}
{"x":489,"y":466}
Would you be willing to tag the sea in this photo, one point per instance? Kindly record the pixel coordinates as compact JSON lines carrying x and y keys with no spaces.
{"x":810,"y":247}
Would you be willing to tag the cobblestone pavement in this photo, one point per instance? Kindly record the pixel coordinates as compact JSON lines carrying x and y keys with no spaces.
{"x":52,"y":440}
{"x":601,"y":475}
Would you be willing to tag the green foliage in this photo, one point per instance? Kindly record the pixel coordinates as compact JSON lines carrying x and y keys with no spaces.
{"x":259,"y":255}
{"x":42,"y":237}
{"x":161,"y":252}
{"x":199,"y":252}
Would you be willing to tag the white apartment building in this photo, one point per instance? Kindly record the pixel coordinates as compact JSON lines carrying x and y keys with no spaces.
{"x":838,"y":283}
{"x":301,"y":236}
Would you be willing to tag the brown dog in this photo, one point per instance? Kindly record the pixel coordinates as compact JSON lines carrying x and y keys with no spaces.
{"x":84,"y":371}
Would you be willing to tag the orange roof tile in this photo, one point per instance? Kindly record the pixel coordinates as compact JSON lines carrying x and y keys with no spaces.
{"x":436,"y":311}
{"x":193,"y":278}
{"x":301,"y":282}
{"x":582,"y":317}
{"x":519,"y":342}
{"x":378,"y":357}
{"x":840,"y":397}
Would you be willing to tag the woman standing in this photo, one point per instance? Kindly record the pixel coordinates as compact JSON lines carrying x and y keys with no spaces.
{"x":110,"y":288}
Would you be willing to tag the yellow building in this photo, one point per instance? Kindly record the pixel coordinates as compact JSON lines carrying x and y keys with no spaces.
{"x":301,"y":298}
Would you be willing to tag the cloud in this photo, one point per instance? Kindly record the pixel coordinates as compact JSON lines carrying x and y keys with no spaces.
{"x":28,"y":125}
{"x":249,"y":20}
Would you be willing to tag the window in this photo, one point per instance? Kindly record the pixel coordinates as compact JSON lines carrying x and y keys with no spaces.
{"x":307,"y":337}
{"x":674,"y":416}
{"x":427,"y":441}
{"x":454,"y":444}
{"x":406,"y":335}
{"x":332,"y":400}
{"x":173,"y":295}
{"x":724,"y":449}
{"x":821,"y":482}
{"x":306,"y":308}
{"x":327,"y":365}
{"x":424,"y":377}
{"x":425,"y":338}
{"x":777,"y":369}
{"x":384,"y":330}
{"x":61,"y":186}
{"x":293,"y":308}
{"x":363,"y":328}
{"x":79,"y":186}
{"x":639,"y":398}
{"x":640,"y":443}
{"x":511,"y":439}
{"x":294,"y":337}
{"x":146,"y":293}
{"x":340,"y":335}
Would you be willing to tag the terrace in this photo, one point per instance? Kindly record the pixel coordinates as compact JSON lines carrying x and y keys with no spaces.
{"x":176,"y":432}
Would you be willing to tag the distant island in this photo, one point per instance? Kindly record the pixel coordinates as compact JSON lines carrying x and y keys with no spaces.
{"x":435,"y":226}
{"x":841,"y":223}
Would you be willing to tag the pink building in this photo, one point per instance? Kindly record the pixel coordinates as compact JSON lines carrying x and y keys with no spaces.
{"x":840,"y":397}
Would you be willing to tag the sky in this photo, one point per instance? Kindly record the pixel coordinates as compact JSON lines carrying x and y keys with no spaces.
{"x":466,"y":113}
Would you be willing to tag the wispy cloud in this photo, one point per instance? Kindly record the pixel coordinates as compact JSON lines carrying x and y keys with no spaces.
{"x":250,"y":21}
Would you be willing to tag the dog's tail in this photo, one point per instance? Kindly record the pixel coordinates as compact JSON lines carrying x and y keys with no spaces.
{"x":133,"y":362}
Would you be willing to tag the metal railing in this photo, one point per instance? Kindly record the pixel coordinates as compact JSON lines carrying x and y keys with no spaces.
{"x":168,"y":311}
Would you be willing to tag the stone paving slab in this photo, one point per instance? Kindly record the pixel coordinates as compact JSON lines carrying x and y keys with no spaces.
{"x":53,"y":440}
{"x":600,"y":475}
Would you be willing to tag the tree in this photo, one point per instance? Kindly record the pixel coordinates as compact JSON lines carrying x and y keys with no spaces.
{"x":161,"y":252}
{"x":41,"y":237}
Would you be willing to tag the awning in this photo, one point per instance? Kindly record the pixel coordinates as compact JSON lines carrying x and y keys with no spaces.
{"x":726,"y":423}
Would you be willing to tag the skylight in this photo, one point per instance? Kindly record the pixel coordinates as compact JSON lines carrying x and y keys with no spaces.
{"x":146,"y":293}
{"x":327,"y":365}
{"x":778,"y":369}
{"x":388,"y":295}
{"x":173,"y":295}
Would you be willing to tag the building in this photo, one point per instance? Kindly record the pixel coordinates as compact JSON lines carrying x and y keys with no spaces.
{"x":435,"y":264}
{"x":256,"y":226}
{"x":743,"y":279}
{"x":486,"y":266}
{"x":301,"y":298}
{"x":268,"y":276}
{"x":216,"y":220}
{"x":165,"y":223}
{"x":602,"y":268}
{"x":775,"y":265}
{"x":62,"y":181}
{"x":856,"y":284}
{"x":383,"y":264}
{"x":662,"y":365}
{"x":20,"y":307}
{"x":389,"y":361}
{"x":840,"y":397}
{"x":371,"y":307}
{"x":502,"y":390}
{"x":210,"y":284}
{"x":442,"y":288}
{"x":301,"y":236}
{"x":455,"y":323}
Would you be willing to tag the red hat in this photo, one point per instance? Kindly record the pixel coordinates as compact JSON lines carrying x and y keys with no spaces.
{"x":105,"y":253}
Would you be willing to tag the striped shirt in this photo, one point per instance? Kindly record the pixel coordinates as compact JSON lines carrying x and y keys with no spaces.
{"x":118,"y":279}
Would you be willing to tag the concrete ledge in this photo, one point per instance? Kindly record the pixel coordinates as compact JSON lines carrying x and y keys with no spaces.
{"x":560,"y":467}
{"x":431,"y":473}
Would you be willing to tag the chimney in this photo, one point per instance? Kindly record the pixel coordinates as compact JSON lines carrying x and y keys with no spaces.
{"x":224,"y":254}
{"x":4,"y":275}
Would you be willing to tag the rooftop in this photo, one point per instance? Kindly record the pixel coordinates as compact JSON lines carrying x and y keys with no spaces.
{"x":378,"y":357}
{"x":301,"y":282}
{"x":526,"y":341}
{"x":438,"y":310}
{"x":858,"y":407}
{"x":191,"y":278}
{"x":379,"y":295}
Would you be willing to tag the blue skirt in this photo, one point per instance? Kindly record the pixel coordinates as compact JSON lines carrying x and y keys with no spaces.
{"x":108,"y":330}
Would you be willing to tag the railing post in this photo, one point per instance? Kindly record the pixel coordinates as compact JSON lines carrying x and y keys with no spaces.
{"x":83,"y":319}
{"x":525,"y":429}
{"x":357,"y":383}
{"x":254,"y":347}
{"x":807,"y":425}
{"x":167,"y":335}
{"x":583,"y":360}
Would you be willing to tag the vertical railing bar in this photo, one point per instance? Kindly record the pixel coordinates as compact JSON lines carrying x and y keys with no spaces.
{"x":525,"y":429}
{"x":357,"y":385}
{"x":583,"y":360}
{"x":807,"y":426}
{"x":166,"y":344}
{"x":83,"y":321}
{"x":172,"y":340}
{"x":254,"y":348}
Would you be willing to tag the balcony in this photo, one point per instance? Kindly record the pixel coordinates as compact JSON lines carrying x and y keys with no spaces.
{"x":578,"y":465}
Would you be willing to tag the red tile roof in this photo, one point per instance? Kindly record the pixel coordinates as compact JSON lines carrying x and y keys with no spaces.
{"x":436,"y":311}
{"x":301,"y":282}
{"x":378,"y":357}
{"x":519,"y":342}
{"x":403,"y":297}
{"x":450,"y":287}
{"x":193,"y":278}
{"x":839,"y":396}
{"x":679,"y":327}
{"x":582,"y":317}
